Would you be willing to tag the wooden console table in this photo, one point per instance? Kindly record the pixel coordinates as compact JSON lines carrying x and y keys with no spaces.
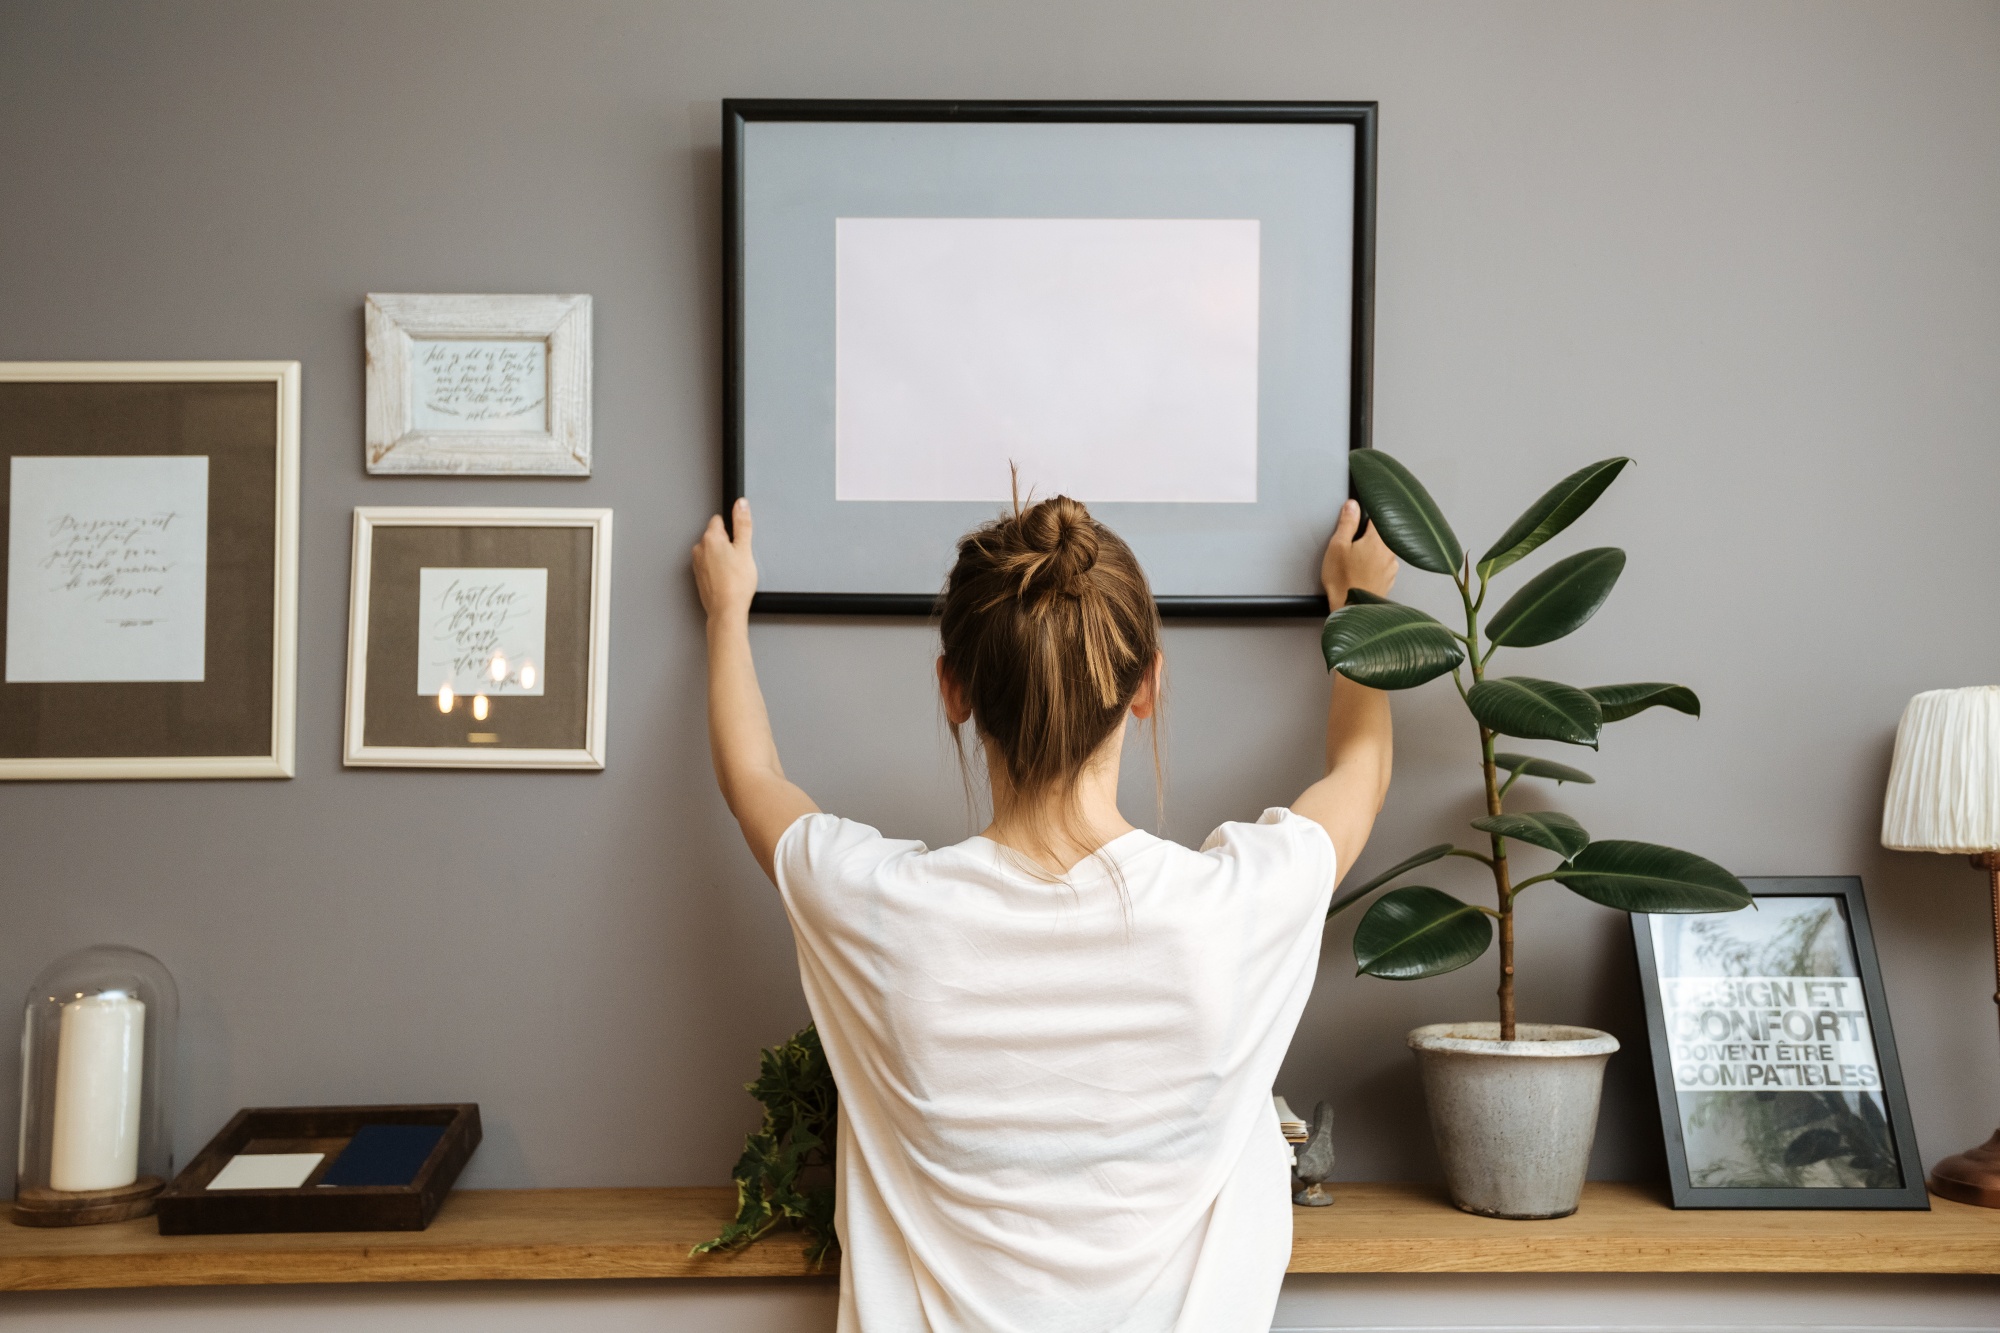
{"x":486,"y":1235}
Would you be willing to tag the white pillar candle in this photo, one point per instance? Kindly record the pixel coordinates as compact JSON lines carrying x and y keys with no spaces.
{"x":99,"y":1063}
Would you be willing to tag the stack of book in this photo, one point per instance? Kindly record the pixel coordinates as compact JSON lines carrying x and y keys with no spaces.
{"x":1293,"y":1127}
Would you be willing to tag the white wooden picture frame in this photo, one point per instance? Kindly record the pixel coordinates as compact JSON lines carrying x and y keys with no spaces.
{"x":594,"y":627}
{"x":216,"y":724}
{"x":471,"y":385}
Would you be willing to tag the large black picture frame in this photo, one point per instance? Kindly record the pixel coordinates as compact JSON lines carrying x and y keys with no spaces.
{"x":1909,"y":1192}
{"x":738,"y":113}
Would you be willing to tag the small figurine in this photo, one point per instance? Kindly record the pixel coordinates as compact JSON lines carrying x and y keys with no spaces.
{"x":1313,"y":1162}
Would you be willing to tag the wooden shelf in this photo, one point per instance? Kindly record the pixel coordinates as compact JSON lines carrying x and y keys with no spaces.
{"x":1621,"y":1228}
{"x":478,"y":1235}
{"x":1372,"y":1228}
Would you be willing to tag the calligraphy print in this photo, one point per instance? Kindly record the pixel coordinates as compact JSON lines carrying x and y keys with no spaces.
{"x":107,"y":569}
{"x":1775,"y":1067}
{"x":481,"y":631}
{"x":488,"y":386}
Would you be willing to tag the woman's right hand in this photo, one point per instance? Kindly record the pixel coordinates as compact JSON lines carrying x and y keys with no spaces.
{"x":724,"y":570}
{"x":1366,"y":564}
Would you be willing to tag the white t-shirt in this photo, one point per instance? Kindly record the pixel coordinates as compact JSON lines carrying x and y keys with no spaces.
{"x":1055,"y":1099}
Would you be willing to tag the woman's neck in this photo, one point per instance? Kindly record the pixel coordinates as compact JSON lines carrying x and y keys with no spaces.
{"x":1057,"y":831}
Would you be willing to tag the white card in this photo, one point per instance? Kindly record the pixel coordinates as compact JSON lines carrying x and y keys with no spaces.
{"x":496,"y":386}
{"x":107,"y":569}
{"x":482,"y":630}
{"x":1108,"y":358}
{"x":266,"y":1171}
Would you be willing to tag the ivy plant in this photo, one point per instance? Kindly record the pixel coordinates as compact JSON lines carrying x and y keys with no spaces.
{"x":785,"y":1175}
{"x":1418,"y":931}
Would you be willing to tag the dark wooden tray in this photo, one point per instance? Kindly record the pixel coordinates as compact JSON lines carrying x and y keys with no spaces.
{"x":188,"y":1208}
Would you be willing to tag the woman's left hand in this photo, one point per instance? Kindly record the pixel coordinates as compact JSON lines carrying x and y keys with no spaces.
{"x":1366,"y":564}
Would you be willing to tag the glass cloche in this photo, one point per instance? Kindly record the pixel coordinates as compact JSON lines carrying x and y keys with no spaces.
{"x":97,"y":1054}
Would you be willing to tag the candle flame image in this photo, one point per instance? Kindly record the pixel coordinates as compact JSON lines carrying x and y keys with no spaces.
{"x":479,"y":707}
{"x":527,"y":675}
{"x":446,"y":698}
{"x":497,"y":669}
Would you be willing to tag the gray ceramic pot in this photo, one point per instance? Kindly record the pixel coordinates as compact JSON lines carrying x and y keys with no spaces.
{"x":1514,"y":1120}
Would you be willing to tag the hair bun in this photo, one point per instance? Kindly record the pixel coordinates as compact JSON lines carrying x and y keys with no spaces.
{"x":1048,"y":625}
{"x":1062,"y":536}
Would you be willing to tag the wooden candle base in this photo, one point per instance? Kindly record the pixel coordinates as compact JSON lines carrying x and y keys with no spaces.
{"x":37,"y":1206}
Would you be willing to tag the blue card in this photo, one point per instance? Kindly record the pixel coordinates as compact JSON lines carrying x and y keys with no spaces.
{"x":383,"y":1155}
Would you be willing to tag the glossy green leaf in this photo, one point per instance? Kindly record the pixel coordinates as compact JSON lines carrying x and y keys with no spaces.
{"x":1558,"y":600}
{"x":1562,"y":506}
{"x":1529,"y":766}
{"x":1542,"y":828}
{"x":1423,"y":858}
{"x":783,"y":1175}
{"x":1363,"y":597}
{"x":1536,"y":710}
{"x":1619,"y":702}
{"x":1419,"y":932}
{"x":1411,"y":523}
{"x":1387,"y":645}
{"x":1645,"y":877}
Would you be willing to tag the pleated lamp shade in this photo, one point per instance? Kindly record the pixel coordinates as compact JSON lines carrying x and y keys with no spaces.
{"x":1944,"y":784}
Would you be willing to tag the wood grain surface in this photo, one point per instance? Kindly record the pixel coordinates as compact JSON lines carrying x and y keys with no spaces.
{"x":1624,"y":1228}
{"x":646,"y":1233}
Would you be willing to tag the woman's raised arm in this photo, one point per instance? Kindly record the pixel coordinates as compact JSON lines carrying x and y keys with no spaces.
{"x":1358,"y":741}
{"x":740,"y":743}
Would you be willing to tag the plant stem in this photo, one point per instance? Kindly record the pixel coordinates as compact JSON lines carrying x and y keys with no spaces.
{"x":1503,"y":890}
{"x":1502,"y":887}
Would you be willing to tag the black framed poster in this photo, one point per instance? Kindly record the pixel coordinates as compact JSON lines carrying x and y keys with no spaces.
{"x":1163,"y":309}
{"x":1773,"y":1054}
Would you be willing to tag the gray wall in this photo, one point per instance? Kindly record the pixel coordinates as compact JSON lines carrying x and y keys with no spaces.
{"x":1752,"y":245}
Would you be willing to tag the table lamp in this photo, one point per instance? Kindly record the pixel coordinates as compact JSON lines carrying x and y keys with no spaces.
{"x":1944,"y":796}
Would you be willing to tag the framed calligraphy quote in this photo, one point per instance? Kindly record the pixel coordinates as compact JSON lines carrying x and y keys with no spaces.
{"x":477,"y":638}
{"x":478,"y":385}
{"x":1163,"y":309}
{"x":1773,"y":1056}
{"x":150,"y":568}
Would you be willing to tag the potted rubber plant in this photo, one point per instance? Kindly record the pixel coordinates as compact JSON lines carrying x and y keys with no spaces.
{"x":1513,"y":1105}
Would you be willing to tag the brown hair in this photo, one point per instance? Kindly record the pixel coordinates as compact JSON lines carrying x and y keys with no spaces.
{"x":1049,"y":627}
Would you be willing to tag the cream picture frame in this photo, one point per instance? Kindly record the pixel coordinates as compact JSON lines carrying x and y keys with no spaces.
{"x":470,"y":385}
{"x":239,"y":718}
{"x":496,"y":536}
